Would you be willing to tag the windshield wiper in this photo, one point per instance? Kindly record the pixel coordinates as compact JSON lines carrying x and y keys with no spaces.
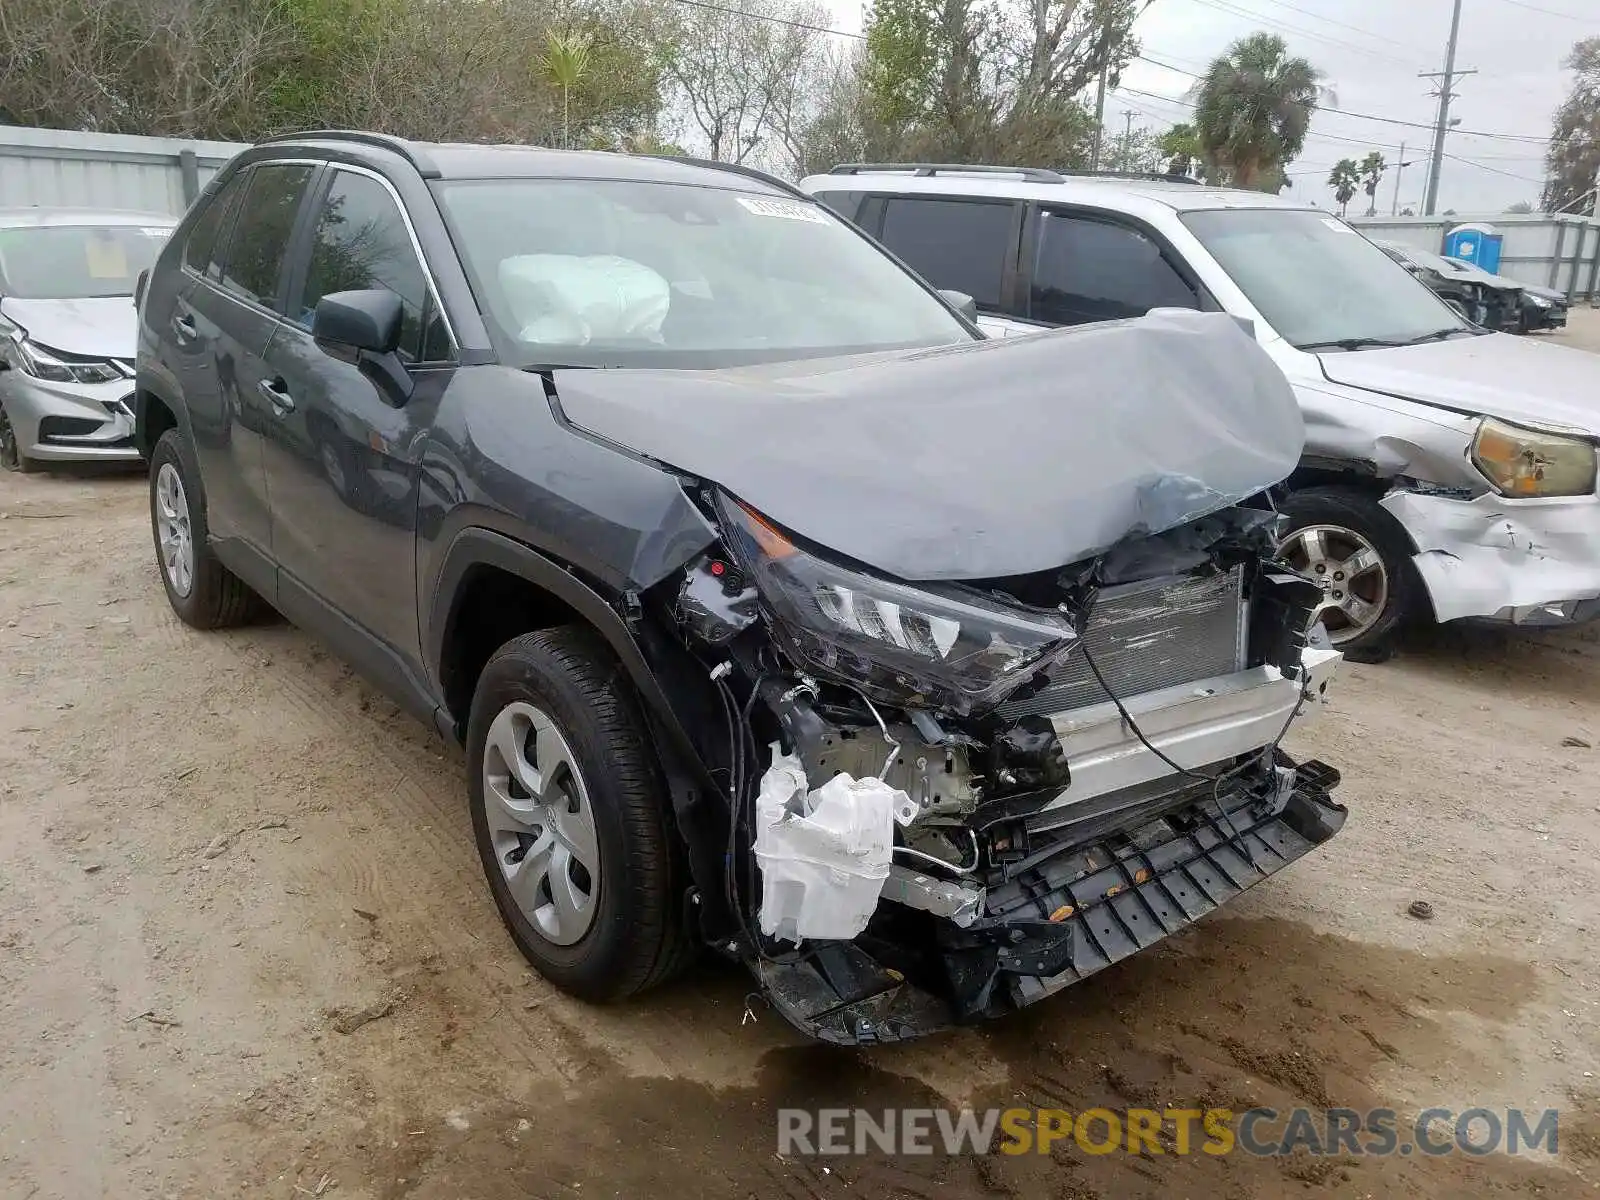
{"x":1352,"y":343}
{"x":1438,"y":335}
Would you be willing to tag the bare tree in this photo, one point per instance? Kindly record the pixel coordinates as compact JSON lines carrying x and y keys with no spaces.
{"x":188,"y":68}
{"x":742,"y":77}
{"x":466,"y":70}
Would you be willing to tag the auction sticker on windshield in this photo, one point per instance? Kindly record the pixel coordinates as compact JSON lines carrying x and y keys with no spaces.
{"x":1337,"y":226}
{"x":789,"y":209}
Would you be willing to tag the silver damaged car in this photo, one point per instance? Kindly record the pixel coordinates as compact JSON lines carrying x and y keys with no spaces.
{"x":67,"y":331}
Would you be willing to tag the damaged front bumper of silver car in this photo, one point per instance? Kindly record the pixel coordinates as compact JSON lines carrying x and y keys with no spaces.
{"x":1533,"y":562}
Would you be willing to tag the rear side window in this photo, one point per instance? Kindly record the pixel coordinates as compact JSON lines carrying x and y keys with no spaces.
{"x":360,"y":242}
{"x":958,"y":244}
{"x":254,"y":261}
{"x":1091,"y":270}
{"x":199,"y":251}
{"x":846,"y":204}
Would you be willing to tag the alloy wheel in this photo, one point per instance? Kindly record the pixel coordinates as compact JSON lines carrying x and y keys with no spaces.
{"x":541,"y":824}
{"x":1355,"y":583}
{"x":173,"y":530}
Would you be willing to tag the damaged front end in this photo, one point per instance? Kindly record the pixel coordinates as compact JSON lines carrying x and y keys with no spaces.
{"x":953,"y":799}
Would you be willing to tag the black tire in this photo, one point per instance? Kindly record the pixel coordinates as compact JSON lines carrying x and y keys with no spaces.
{"x":217,"y":598}
{"x":11,"y":456}
{"x":1404,"y":597}
{"x":638,"y":937}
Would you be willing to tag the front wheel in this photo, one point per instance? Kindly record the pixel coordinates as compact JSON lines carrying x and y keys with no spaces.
{"x":1345,"y":540}
{"x":11,"y":456}
{"x":571,"y":817}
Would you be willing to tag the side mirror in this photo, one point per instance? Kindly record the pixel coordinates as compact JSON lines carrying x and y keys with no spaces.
{"x":961,"y":302}
{"x":364,"y":320}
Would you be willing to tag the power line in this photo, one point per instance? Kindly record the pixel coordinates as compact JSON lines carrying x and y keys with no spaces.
{"x":1236,"y":11}
{"x":1341,"y":112}
{"x":1306,"y":12}
{"x":1333,"y":137}
{"x":1493,"y":170}
{"x":1549,"y":12}
{"x":739,"y":12}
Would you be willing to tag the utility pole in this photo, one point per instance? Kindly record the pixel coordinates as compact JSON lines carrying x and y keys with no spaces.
{"x":1127,"y":138}
{"x":1399,"y":170}
{"x":1099,"y":109}
{"x":1447,"y":78}
{"x":1100,"y":87}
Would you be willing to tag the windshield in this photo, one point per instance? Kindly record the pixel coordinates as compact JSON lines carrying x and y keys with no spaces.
{"x":612,"y":273}
{"x":1317,"y":281}
{"x":75,"y":262}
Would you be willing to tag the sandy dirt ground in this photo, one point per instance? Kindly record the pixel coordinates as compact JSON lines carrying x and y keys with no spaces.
{"x":219,"y":854}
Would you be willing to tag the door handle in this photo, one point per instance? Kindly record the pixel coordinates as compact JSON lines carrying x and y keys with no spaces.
{"x":277,"y":393}
{"x":183,"y":325}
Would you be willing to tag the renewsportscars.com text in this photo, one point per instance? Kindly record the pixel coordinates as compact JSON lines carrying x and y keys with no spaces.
{"x":1262,"y":1132}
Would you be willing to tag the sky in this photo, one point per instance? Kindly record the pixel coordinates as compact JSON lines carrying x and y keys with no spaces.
{"x":1370,"y":53}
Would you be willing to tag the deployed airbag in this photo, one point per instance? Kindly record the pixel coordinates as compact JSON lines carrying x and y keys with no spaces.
{"x":576,"y":299}
{"x":977,"y":460}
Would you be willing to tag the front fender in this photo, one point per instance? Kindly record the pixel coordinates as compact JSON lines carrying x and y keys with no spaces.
{"x":701,"y":817}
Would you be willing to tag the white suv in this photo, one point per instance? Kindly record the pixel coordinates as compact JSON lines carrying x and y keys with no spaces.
{"x":1445,"y":466}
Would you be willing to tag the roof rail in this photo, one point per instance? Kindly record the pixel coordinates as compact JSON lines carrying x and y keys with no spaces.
{"x":383,"y":141}
{"x":1037,"y":174}
{"x":736,"y":169}
{"x":1149,"y":176}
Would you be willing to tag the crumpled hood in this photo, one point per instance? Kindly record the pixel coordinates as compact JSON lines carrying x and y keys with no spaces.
{"x":974,"y":461}
{"x":1544,"y":293}
{"x":99,"y":327}
{"x":1498,"y":375}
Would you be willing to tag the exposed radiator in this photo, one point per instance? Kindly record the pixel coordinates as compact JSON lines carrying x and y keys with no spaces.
{"x":1146,"y":636}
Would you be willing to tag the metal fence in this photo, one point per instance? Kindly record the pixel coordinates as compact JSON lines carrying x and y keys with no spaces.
{"x":71,"y":169}
{"x":1556,"y":251}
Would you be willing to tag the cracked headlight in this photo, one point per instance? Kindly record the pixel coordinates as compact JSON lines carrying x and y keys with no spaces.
{"x":31,"y":359}
{"x":950,"y":648}
{"x":1525,"y":462}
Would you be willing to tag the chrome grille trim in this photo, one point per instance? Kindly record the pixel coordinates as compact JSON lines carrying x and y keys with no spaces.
{"x":1147,"y":636}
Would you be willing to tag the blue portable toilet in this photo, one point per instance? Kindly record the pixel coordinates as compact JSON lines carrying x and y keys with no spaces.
{"x":1478,"y":244}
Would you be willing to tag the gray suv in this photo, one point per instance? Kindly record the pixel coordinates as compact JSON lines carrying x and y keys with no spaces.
{"x":776,"y":610}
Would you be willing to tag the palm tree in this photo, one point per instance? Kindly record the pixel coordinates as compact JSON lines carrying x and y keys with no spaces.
{"x":1253,"y":107}
{"x":1343,"y":179}
{"x":566,"y":61}
{"x":1372,"y":168}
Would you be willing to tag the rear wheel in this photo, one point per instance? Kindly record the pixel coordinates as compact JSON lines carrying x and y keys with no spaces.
{"x":11,"y":456}
{"x":202,"y":591}
{"x":1347,"y":542}
{"x":571,"y":817}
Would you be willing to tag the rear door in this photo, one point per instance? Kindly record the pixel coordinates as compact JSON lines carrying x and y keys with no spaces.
{"x":224,"y":320}
{"x":1083,"y":266}
{"x":960,"y":243}
{"x":345,"y":444}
